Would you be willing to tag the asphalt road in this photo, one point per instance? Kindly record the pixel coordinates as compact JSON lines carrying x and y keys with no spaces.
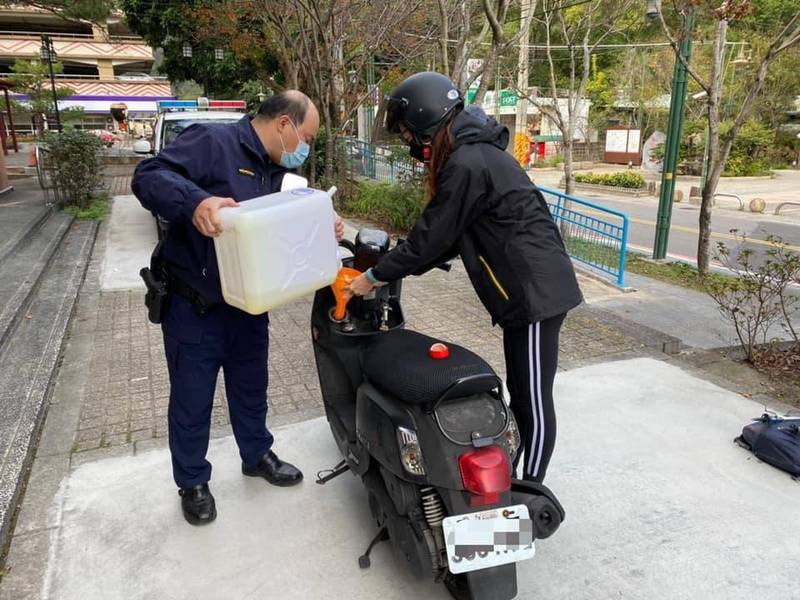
{"x":684,"y":230}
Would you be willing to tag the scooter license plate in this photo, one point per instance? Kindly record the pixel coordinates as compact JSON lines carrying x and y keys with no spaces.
{"x":488,"y":538}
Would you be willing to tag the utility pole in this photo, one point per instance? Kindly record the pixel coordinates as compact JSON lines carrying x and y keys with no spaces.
{"x":48,"y":54}
{"x":673,"y":143}
{"x":521,"y":124}
{"x":370,"y":116}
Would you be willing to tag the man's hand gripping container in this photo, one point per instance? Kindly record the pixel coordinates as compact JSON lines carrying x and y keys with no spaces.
{"x":277,"y":248}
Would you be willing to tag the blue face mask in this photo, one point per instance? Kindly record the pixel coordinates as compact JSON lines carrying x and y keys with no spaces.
{"x":293,"y":160}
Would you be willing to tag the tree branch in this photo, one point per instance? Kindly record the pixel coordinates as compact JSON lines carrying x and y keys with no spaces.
{"x":679,"y":55}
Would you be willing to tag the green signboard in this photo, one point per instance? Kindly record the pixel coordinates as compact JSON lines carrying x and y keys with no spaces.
{"x":507,"y":97}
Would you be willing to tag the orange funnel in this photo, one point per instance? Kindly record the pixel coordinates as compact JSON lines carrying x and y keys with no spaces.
{"x":340,"y":291}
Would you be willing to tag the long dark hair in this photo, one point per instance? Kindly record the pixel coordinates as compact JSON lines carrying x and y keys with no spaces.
{"x":441,"y":148}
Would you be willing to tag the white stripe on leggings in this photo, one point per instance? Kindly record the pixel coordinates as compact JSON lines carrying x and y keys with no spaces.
{"x":537,"y":420}
{"x":530,"y":394}
{"x":540,"y":449}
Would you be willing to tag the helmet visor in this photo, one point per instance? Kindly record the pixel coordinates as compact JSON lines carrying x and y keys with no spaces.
{"x":395,"y":113}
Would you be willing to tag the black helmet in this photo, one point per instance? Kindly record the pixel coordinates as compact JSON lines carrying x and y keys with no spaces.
{"x":421,"y":104}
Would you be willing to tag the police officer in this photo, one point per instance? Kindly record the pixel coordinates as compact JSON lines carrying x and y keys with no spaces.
{"x":211,"y":166}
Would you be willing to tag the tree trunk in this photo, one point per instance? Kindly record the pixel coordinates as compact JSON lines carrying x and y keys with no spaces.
{"x":569,"y":183}
{"x":377,"y":124}
{"x":486,"y":78}
{"x":496,"y":20}
{"x":716,"y":160}
{"x":443,"y":37}
{"x":716,"y":157}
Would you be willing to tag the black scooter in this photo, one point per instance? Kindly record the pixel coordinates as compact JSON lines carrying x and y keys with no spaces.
{"x":426,"y":428}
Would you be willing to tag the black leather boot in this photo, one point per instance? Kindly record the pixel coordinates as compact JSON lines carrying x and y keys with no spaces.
{"x":274,"y":470}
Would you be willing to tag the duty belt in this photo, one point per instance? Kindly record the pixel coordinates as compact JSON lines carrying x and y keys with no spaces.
{"x":201,"y":305}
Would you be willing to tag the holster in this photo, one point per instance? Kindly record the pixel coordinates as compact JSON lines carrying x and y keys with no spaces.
{"x":156,"y":280}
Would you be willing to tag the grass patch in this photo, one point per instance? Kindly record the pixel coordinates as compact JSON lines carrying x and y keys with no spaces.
{"x":96,"y":211}
{"x":675,"y":273}
{"x":592,"y":252}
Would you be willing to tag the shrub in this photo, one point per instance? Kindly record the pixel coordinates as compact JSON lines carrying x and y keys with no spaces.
{"x":761,"y":296}
{"x":624,"y":179}
{"x":555,"y":161}
{"x":75,"y":155}
{"x":395,"y":206}
{"x":742,"y":166}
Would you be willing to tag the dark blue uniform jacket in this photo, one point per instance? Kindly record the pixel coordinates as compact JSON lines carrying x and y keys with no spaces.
{"x":207,"y":159}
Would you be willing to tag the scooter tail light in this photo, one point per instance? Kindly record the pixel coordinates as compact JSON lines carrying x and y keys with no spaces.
{"x":410,"y":451}
{"x":486,"y":473}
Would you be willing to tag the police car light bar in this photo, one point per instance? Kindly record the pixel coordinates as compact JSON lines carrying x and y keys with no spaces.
{"x":203,"y":104}
{"x":175,"y":105}
{"x":228,"y":104}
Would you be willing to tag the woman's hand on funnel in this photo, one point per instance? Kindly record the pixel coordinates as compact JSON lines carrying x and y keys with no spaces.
{"x":361,"y":285}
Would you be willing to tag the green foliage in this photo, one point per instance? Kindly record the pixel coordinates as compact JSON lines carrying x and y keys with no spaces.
{"x":78,"y":167}
{"x":676,"y":273}
{"x":251,"y":91}
{"x":749,"y":153}
{"x":551,"y":162}
{"x":395,"y":206}
{"x":170,"y":25}
{"x":753,"y":139}
{"x":187,"y":90}
{"x":599,"y":90}
{"x":624,"y":179}
{"x":591,"y":251}
{"x":96,"y":211}
{"x":91,"y":10}
{"x":742,"y":166}
{"x":32,"y":77}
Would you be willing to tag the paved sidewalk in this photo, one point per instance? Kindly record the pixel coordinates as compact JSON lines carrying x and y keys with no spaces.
{"x":111,"y":394}
{"x":691,"y":316}
{"x":127,"y":394}
{"x":660,"y":505}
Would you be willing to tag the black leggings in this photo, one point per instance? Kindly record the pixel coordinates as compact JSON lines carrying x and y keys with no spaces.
{"x":531,"y":362}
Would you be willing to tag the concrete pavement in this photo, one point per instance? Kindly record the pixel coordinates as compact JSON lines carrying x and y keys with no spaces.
{"x":131,"y":237}
{"x":106,"y":426}
{"x":660,"y":505}
{"x":692,"y":317}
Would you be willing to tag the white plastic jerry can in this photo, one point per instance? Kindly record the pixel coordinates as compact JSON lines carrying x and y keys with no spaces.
{"x":277,"y":248}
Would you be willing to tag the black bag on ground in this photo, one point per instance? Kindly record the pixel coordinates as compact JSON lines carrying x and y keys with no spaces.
{"x":775,"y":440}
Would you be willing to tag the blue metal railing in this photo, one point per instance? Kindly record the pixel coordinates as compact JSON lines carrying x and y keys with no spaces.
{"x":372,"y":161}
{"x":594,"y":235}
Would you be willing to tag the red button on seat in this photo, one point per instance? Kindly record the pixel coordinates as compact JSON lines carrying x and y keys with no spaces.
{"x":439,"y":351}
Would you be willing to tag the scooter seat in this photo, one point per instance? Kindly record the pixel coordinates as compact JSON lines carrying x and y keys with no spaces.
{"x":398,"y":363}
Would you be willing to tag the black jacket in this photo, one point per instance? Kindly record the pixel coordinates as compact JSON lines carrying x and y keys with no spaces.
{"x":487,"y":210}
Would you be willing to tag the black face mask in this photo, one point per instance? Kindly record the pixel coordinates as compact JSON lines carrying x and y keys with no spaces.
{"x":421,"y":151}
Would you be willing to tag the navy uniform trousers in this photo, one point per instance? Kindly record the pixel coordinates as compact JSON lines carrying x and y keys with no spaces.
{"x":197,"y":346}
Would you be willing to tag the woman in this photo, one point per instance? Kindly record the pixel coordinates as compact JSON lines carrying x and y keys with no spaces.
{"x":484,"y":207}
